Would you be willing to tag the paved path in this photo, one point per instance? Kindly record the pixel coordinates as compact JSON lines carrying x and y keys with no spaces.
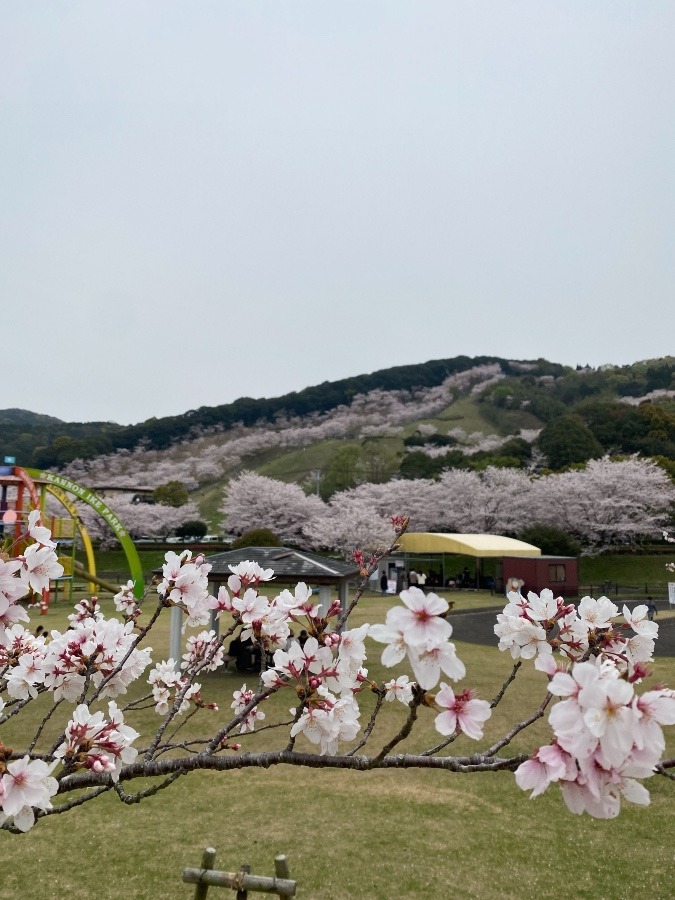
{"x":478,"y":628}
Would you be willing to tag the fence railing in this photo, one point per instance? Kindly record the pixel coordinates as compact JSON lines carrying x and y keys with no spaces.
{"x":656,"y":589}
{"x":241,"y":881}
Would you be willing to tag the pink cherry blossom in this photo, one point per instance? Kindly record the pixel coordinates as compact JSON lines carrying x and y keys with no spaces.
{"x":421,"y":621}
{"x":41,"y":567}
{"x":27,"y":785}
{"x":38,"y":532}
{"x":400,"y":689}
{"x":462,"y":713}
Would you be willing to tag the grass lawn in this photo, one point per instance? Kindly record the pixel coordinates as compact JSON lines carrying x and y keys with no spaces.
{"x":626,"y":569}
{"x":407,"y":834}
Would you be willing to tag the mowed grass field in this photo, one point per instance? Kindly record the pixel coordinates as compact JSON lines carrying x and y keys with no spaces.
{"x":382,"y":834}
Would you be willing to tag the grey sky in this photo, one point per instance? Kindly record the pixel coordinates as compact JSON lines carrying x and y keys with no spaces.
{"x":207,"y":200}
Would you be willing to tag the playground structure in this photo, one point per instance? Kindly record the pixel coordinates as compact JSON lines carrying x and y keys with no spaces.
{"x":24,"y":489}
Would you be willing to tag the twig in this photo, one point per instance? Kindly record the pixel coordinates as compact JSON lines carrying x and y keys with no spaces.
{"x":369,"y":727}
{"x":52,"y":709}
{"x":374,"y":563}
{"x":16,"y":707}
{"x":508,"y":681}
{"x":71,"y":804}
{"x":130,"y":799}
{"x":298,"y":712}
{"x":403,"y":733}
{"x":521,"y":726}
{"x":442,"y":745}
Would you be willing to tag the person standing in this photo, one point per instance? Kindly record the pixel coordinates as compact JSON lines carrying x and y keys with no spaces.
{"x":384,"y":583}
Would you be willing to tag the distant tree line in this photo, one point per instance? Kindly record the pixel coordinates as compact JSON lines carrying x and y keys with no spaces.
{"x":582,"y":411}
{"x":44,"y":442}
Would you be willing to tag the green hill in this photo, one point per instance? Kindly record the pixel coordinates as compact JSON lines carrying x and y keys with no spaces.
{"x":409,"y":421}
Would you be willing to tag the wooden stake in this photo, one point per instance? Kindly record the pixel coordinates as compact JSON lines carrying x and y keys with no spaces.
{"x":208,"y":859}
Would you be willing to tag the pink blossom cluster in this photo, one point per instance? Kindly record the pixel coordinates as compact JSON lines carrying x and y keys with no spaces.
{"x":400,"y":689}
{"x":319,"y":674}
{"x":606,"y":738}
{"x":93,"y":743}
{"x":26,"y":785}
{"x":93,"y":651}
{"x":606,"y":735}
{"x":317,"y":671}
{"x":419,"y":632}
{"x":31,"y":571}
{"x":539,"y":623}
{"x":204,"y":653}
{"x":328,"y":719}
{"x":461,"y":712}
{"x":169,"y":686}
{"x":267,"y":621}
{"x":126,"y":602}
{"x":242,"y":699}
{"x":185,"y":584}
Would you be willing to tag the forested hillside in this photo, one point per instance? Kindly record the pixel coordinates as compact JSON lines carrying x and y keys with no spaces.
{"x":629,"y":409}
{"x":43,"y":442}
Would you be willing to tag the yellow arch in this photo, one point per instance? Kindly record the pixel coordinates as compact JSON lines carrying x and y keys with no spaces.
{"x":63,"y":499}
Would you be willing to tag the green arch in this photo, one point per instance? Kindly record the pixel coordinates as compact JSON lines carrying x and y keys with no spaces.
{"x":89,"y":497}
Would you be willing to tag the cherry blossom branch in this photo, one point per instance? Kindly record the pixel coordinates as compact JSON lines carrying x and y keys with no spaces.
{"x":190,"y":676}
{"x":136,"y":704}
{"x":403,"y":733}
{"x":509,"y":680}
{"x":15,"y":708}
{"x":130,"y":799}
{"x":239,"y":718}
{"x":118,"y":668}
{"x":480,"y":762}
{"x":42,"y":724}
{"x":366,"y":571}
{"x":442,"y":745}
{"x":521,"y":726}
{"x":371,"y":724}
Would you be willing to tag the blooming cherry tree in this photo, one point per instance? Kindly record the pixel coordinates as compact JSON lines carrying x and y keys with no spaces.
{"x":607,"y":733}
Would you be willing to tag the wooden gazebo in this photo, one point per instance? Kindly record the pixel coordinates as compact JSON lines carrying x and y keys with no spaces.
{"x":290,"y":566}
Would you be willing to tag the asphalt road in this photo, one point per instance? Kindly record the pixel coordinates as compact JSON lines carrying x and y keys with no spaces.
{"x":478,"y":628}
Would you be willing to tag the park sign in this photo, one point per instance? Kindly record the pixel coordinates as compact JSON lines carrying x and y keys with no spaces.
{"x":94,"y":501}
{"x":84,"y":494}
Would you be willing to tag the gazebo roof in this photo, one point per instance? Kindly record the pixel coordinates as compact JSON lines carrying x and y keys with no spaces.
{"x":480,"y":545}
{"x":294,"y":565}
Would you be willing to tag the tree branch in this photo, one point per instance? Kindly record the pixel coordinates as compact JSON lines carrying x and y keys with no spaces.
{"x":480,"y":762}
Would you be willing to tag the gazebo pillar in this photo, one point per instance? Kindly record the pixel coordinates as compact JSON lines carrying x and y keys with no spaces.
{"x":343,"y":594}
{"x":214,"y":621}
{"x":324,"y":598}
{"x":175,"y":643}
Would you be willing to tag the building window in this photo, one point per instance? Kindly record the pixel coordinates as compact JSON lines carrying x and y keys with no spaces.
{"x":556,"y":574}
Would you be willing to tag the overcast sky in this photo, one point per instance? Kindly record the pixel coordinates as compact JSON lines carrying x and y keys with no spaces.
{"x":206,"y":200}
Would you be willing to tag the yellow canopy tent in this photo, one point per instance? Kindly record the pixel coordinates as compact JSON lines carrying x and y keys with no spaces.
{"x":477,"y":545}
{"x":466,"y":544}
